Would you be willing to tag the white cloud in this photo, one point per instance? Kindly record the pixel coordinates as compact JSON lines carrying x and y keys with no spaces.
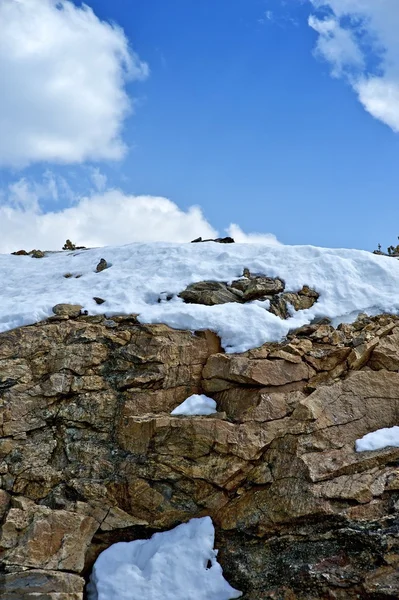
{"x":238,"y":235}
{"x":360,"y":40}
{"x":103,"y":218}
{"x":63,"y":75}
{"x":110,"y":218}
{"x":98,"y":178}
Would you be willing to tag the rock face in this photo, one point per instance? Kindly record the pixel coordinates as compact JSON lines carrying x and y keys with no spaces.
{"x":90,"y":455}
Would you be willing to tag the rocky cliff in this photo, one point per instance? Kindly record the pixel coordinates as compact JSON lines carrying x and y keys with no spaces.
{"x":90,"y":455}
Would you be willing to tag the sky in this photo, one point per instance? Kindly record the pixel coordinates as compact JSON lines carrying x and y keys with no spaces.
{"x":269,"y":120}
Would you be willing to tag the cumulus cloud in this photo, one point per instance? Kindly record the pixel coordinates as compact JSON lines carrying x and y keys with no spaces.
{"x":103,"y":218}
{"x":360,"y":40}
{"x":109,"y":218}
{"x":63,"y":73}
{"x":237,"y":233}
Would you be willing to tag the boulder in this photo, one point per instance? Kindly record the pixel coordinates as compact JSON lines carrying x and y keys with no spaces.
{"x":67,"y":310}
{"x":210,"y":293}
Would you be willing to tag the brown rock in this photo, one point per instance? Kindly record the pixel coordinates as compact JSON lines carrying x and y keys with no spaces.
{"x":386,"y":354}
{"x":67,"y":310}
{"x":239,"y":369}
{"x":87,"y":445}
{"x":45,"y":539}
{"x":37,"y":254}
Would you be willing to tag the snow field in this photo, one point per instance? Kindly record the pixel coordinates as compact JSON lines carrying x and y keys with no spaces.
{"x":349,"y":282}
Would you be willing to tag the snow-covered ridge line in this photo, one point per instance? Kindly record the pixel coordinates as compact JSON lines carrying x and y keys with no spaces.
{"x":348,"y":281}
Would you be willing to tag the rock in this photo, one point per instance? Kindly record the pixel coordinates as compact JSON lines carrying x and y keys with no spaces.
{"x":20,"y":253}
{"x":69,"y":245}
{"x":360,"y":355}
{"x":42,"y":538}
{"x":221,"y":371}
{"x":301,"y":300}
{"x":37,"y":254}
{"x":209,"y":293}
{"x":258,"y":287}
{"x":4,"y":502}
{"x":327,"y":358}
{"x":41,"y":585}
{"x":67,"y":310}
{"x":385,"y":355}
{"x":102,"y":265}
{"x":90,"y":455}
{"x":98,"y":300}
{"x":225,"y":240}
{"x":278,"y":307}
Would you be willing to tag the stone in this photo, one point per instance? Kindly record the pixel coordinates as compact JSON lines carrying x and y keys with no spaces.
{"x":20,"y":253}
{"x":67,"y":310}
{"x":4,"y":502}
{"x":258,"y":287}
{"x":37,"y":254}
{"x":240,"y":369}
{"x":209,"y":293}
{"x":225,"y":240}
{"x":69,"y":245}
{"x":385,"y":355}
{"x":98,"y":300}
{"x":42,"y":538}
{"x":360,"y":355}
{"x":327,"y":358}
{"x":301,"y":300}
{"x":102,"y":265}
{"x":42,"y":585}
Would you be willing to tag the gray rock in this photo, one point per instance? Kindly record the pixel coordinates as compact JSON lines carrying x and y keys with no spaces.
{"x":102,"y":265}
{"x":210,"y":293}
{"x":258,"y":287}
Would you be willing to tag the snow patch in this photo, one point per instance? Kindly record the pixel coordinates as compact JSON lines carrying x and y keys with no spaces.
{"x":174,"y":565}
{"x":197,"y":404}
{"x":377,"y":440}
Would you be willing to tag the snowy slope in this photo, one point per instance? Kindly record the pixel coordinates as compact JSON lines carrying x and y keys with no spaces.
{"x":349,"y":281}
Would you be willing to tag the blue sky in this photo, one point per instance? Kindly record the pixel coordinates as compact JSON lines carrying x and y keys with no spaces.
{"x":241,"y":116}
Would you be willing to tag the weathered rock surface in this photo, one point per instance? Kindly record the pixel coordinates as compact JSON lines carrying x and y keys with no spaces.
{"x":90,"y":455}
{"x":210,"y":293}
{"x":246,"y":289}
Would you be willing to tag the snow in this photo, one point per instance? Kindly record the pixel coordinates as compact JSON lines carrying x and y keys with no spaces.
{"x":377,"y":440}
{"x":197,"y":404}
{"x":349,"y":282}
{"x":172,"y":565}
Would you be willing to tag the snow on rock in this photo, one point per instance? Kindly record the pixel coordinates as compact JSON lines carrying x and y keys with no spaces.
{"x":349,"y":282}
{"x":377,"y":440}
{"x":197,"y":404}
{"x":174,"y":565}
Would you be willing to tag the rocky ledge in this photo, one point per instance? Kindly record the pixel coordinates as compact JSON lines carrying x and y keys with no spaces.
{"x":90,"y":455}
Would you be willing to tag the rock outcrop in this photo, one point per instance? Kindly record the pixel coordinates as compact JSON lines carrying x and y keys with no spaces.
{"x":246,"y":289}
{"x":90,"y":455}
